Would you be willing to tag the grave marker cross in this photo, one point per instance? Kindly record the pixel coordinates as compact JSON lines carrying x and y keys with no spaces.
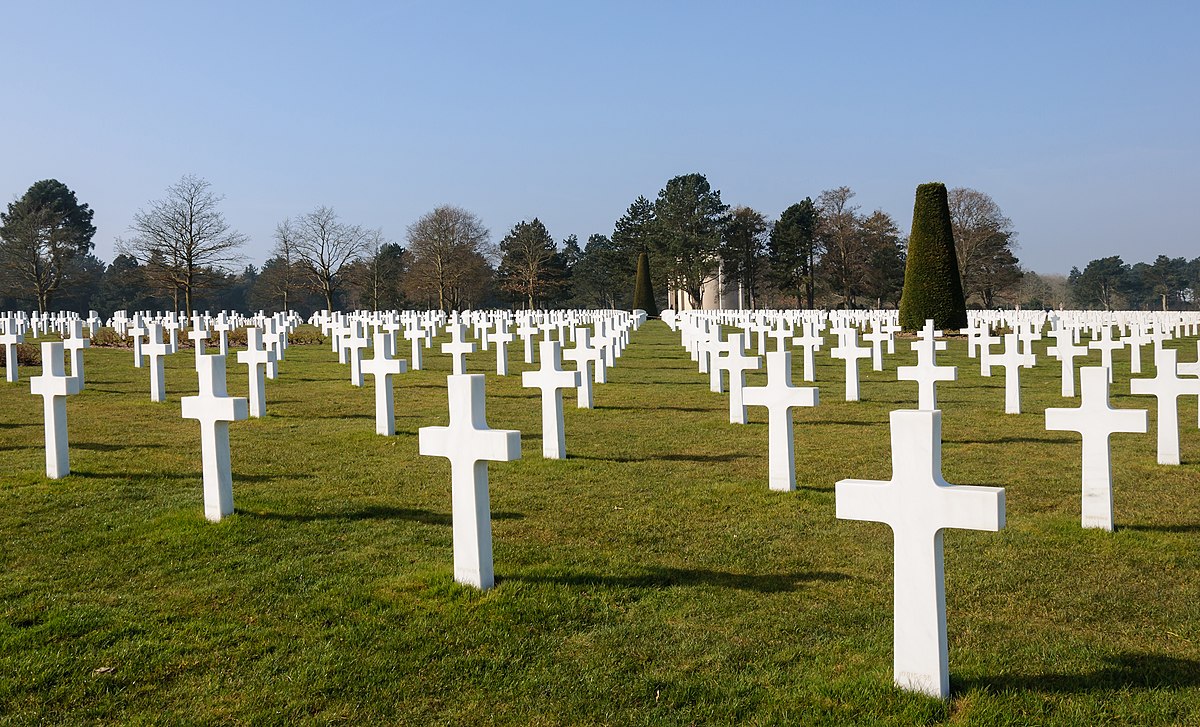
{"x":1166,"y":387}
{"x":382,"y":368}
{"x":551,"y":379}
{"x":918,"y":504}
{"x":469,"y":444}
{"x":927,"y":373}
{"x":1096,"y":421}
{"x":256,"y":358}
{"x":458,"y":348}
{"x":54,"y":386}
{"x":780,"y":397}
{"x":215,"y":409}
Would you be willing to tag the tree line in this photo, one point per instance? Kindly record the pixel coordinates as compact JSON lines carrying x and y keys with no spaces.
{"x":181,"y":253}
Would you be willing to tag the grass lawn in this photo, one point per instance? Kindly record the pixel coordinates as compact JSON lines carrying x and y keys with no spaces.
{"x":651,"y":578}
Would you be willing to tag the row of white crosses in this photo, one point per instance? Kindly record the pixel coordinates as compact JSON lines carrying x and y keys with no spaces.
{"x":918,"y":504}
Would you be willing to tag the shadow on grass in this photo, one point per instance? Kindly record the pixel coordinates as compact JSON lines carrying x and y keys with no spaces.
{"x":102,"y":447}
{"x":193,"y":476}
{"x":663,"y":408}
{"x":669,"y":577}
{"x":1162,"y":528}
{"x":1016,"y":440}
{"x":372,"y":512}
{"x":1126,"y":671}
{"x":701,"y":458}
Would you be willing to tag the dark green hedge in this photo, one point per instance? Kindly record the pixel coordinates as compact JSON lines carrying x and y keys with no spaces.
{"x":932,"y":288}
{"x":643,"y":290}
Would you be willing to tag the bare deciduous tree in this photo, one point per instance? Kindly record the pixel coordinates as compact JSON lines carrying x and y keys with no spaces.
{"x":285,"y":251}
{"x":324,"y":245}
{"x":450,"y":250}
{"x":183,"y":240}
{"x":983,"y":242}
{"x":845,"y":261}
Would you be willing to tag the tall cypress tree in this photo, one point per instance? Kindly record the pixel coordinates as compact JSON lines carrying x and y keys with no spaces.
{"x":932,"y":287}
{"x":643,"y":290}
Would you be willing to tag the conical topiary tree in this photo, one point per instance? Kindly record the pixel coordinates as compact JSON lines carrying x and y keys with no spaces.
{"x":643,"y":290}
{"x":932,"y":287}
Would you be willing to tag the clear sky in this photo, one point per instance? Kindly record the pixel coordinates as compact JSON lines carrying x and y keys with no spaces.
{"x":1081,"y":119}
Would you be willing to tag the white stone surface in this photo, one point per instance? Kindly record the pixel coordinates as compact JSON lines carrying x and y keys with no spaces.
{"x":918,"y":504}
{"x":585,"y":356}
{"x":551,"y":379}
{"x":256,"y":357}
{"x":1012,"y":361}
{"x":382,"y":368}
{"x":737,"y":363}
{"x":1066,"y":352}
{"x":849,"y":351}
{"x":469,"y":445}
{"x":1096,"y":421}
{"x":1166,"y":387}
{"x":74,"y":344}
{"x":54,"y":386}
{"x":458,"y":348}
{"x":927,"y":373}
{"x":11,"y":336}
{"x":156,"y":350}
{"x":779,"y":396}
{"x":215,"y":409}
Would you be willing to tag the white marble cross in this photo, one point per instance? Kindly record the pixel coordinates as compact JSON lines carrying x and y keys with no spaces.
{"x":918,"y":504}
{"x":715,"y":347}
{"x":382,"y":368}
{"x":416,"y":336}
{"x":584,"y":356}
{"x":1012,"y":360}
{"x":551,"y":379}
{"x":849,"y":350}
{"x":1166,"y":387}
{"x":527,"y":331}
{"x":74,"y":344}
{"x":198,"y":335}
{"x":1192,"y":368}
{"x":469,"y":444}
{"x":54,"y":386}
{"x":1096,"y":421}
{"x":1106,"y":344}
{"x":458,"y":348}
{"x":215,"y":409}
{"x":354,"y":342}
{"x":809,"y":341}
{"x":737,"y":363}
{"x":256,"y":358}
{"x":136,"y":332}
{"x":1065,"y":351}
{"x":780,"y":397}
{"x":876,"y":337}
{"x":501,"y":338}
{"x":1135,"y":340}
{"x":156,"y":350}
{"x":927,"y":373}
{"x":984,"y":341}
{"x":11,"y":336}
{"x":222,"y":328}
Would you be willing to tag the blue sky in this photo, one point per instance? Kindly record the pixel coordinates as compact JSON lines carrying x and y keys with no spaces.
{"x":1082,"y":119}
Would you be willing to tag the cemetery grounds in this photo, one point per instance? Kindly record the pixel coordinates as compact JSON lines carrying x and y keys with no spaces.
{"x":650,"y":578}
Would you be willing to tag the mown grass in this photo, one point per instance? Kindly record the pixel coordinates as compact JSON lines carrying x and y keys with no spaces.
{"x":651,"y":578}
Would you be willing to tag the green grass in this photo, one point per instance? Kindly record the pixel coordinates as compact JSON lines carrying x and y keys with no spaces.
{"x":651,"y":578}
